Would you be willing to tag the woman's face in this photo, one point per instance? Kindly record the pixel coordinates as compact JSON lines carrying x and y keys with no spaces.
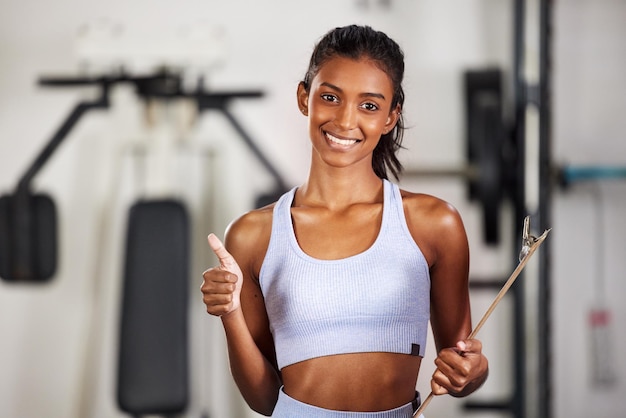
{"x":349,"y":108}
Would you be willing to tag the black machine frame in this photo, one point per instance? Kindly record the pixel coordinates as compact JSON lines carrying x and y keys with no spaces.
{"x":28,"y":237}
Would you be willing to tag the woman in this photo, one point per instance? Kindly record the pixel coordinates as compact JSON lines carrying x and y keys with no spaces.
{"x":325,"y":296}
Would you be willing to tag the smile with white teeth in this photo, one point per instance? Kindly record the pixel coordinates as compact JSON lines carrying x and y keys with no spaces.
{"x":344,"y":142}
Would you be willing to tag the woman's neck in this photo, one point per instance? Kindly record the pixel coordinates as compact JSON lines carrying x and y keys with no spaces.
{"x":339,"y":188}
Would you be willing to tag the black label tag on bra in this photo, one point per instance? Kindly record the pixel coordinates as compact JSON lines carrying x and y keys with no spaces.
{"x":415,"y":349}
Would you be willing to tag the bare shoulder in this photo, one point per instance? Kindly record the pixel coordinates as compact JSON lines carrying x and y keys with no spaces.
{"x":430,"y":212}
{"x":247,"y":238}
{"x":250,"y":225}
{"x":436,"y":225}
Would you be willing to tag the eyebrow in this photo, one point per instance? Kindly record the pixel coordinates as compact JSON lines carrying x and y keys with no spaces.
{"x":332,"y":86}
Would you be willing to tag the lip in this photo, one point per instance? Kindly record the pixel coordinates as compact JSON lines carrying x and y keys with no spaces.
{"x":339,"y":141}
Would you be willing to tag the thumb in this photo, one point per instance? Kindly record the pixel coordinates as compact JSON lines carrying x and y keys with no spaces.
{"x":226,"y":260}
{"x":469,"y":346}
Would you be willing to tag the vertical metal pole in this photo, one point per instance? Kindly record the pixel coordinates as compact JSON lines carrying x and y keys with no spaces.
{"x":518,"y":402}
{"x":545,"y":207}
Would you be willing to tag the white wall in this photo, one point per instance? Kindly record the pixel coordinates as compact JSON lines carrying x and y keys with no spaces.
{"x":58,"y":341}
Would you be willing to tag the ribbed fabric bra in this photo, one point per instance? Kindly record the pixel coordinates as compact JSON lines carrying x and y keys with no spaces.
{"x":374,"y":301}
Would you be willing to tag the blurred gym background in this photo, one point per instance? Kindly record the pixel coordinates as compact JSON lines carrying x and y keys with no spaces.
{"x":111,"y":109}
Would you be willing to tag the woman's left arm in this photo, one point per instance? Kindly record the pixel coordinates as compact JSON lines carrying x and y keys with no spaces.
{"x":461,"y":366}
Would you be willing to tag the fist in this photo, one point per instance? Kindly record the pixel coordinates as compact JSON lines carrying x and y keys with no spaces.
{"x":460,"y":370}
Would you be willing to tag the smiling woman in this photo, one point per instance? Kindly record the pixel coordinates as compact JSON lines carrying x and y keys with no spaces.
{"x":351,"y":43}
{"x":325,"y":295}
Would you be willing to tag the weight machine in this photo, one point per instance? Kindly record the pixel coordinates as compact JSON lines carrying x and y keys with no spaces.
{"x":153,"y":348}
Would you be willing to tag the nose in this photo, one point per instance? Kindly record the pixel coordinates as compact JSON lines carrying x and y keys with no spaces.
{"x":346,"y":117}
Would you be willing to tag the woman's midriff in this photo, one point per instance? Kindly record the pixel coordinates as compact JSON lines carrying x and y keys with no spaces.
{"x":360,"y":382}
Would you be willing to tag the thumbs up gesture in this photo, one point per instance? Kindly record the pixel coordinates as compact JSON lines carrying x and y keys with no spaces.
{"x":221,"y":287}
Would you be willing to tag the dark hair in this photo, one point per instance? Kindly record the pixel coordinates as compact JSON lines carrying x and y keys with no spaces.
{"x":356,"y":42}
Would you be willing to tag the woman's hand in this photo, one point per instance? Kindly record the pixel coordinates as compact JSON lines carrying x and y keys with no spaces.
{"x":221,"y":287}
{"x":460,"y":370}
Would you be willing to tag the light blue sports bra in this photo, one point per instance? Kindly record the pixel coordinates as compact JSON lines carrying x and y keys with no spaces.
{"x":374,"y":301}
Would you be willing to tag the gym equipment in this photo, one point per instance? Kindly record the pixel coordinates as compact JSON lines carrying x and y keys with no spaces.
{"x":28,"y":233}
{"x":28,"y":221}
{"x":153,"y":347}
{"x":485,"y":147}
{"x":569,"y":175}
{"x":530,"y":244}
{"x":29,"y":237}
{"x":491,"y":167}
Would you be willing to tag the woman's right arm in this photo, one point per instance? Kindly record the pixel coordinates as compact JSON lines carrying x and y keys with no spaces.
{"x":231,"y":291}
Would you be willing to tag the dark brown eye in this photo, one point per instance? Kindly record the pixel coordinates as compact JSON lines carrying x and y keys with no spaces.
{"x":369,"y":106}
